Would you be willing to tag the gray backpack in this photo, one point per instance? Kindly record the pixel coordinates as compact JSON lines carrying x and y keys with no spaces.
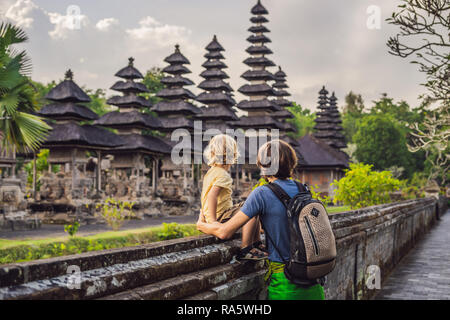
{"x":312,"y":242}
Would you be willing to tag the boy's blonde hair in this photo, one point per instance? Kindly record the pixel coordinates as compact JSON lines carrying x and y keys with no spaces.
{"x":222,"y":149}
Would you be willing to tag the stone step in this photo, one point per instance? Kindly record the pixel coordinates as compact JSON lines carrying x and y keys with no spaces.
{"x":247,"y":287}
{"x":21,"y":273}
{"x":189,"y":284}
{"x":99,"y":282}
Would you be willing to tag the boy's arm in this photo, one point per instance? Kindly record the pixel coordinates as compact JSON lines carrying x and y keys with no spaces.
{"x":211,"y":200}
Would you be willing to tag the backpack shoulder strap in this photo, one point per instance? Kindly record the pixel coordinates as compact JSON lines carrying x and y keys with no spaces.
{"x":301,"y":187}
{"x":280,"y":193}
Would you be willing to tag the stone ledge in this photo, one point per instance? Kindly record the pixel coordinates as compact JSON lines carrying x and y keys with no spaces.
{"x":199,"y":267}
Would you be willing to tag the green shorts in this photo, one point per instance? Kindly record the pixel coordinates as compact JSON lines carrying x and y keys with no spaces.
{"x":280,"y":288}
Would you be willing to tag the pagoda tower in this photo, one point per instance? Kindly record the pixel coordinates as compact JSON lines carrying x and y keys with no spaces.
{"x":217,"y":93}
{"x":259,"y":107}
{"x":130,"y":121}
{"x":175,"y":111}
{"x":281,"y":93}
{"x":69,"y":140}
{"x":339,"y":138}
{"x":328,"y":121}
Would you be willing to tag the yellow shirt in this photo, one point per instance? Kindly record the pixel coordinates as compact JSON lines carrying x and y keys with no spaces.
{"x":218,"y":177}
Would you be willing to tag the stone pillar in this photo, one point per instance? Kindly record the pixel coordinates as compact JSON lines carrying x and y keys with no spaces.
{"x":73,"y":168}
{"x":99,"y":170}
{"x":34,"y":176}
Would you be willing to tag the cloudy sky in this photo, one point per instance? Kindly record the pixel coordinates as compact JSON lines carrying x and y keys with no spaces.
{"x":317,"y":42}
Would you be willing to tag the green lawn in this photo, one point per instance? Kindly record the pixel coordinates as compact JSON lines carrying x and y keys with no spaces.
{"x":338,"y":209}
{"x":32,"y":249}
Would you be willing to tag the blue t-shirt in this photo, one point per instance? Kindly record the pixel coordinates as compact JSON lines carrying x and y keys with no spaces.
{"x":262,"y":201}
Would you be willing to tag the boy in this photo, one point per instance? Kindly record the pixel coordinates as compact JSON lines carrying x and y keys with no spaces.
{"x":216,"y":201}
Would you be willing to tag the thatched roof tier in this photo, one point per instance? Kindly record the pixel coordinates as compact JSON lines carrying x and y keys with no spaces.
{"x":258,"y":50}
{"x":259,"y":19}
{"x":222,"y":126}
{"x":328,"y":134}
{"x":133,"y":119}
{"x":129,"y":101}
{"x":258,"y":39}
{"x":67,"y":111}
{"x":217,"y":112}
{"x":129,"y":72}
{"x":172,"y":123}
{"x":293,"y":142}
{"x":259,"y":9}
{"x":250,"y":75}
{"x":217,"y":64}
{"x":214,"y":55}
{"x":214,"y":45}
{"x":129,"y":87}
{"x":67,"y":91}
{"x":280,"y":85}
{"x":71,"y":134}
{"x":176,"y":81}
{"x":281,"y":93}
{"x":210,"y":98}
{"x":258,"y":29}
{"x":165,"y":108}
{"x":324,"y":118}
{"x":176,"y":69}
{"x":256,"y":90}
{"x":175,"y":93}
{"x":282,"y":114}
{"x":209,"y":74}
{"x":283,"y":102}
{"x":317,"y":153}
{"x":288,"y":127}
{"x":263,"y":104}
{"x":177,"y":57}
{"x":258,"y":122}
{"x":146,"y":144}
{"x":259,"y":62}
{"x":280,"y":74}
{"x":215,"y":85}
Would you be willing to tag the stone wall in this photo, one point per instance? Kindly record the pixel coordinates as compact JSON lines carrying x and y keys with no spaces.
{"x":204,"y":267}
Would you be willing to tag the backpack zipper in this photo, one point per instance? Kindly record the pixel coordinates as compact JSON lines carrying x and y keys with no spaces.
{"x":311,"y":233}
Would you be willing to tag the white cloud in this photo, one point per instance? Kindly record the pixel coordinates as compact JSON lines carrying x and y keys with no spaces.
{"x":160,"y":34}
{"x":106,"y":24}
{"x":65,"y":24}
{"x":20,"y":13}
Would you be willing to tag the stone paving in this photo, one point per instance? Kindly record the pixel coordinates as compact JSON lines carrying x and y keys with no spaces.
{"x":424,"y":274}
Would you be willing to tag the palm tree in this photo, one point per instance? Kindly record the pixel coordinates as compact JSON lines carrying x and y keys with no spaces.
{"x":19,"y":127}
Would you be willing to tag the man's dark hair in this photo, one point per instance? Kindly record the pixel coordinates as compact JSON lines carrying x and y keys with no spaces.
{"x":287,"y":159}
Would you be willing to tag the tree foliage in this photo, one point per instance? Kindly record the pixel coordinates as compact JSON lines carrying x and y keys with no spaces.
{"x":424,"y":35}
{"x":303,"y":120}
{"x":19,"y":127}
{"x":381,"y":142}
{"x":363,"y":187}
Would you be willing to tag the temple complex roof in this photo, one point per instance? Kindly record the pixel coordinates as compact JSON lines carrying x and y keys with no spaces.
{"x":132,"y":119}
{"x":86,"y":136}
{"x":317,"y":153}
{"x":67,"y":111}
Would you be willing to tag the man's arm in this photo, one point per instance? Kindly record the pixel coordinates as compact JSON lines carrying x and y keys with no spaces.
{"x":223,"y":230}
